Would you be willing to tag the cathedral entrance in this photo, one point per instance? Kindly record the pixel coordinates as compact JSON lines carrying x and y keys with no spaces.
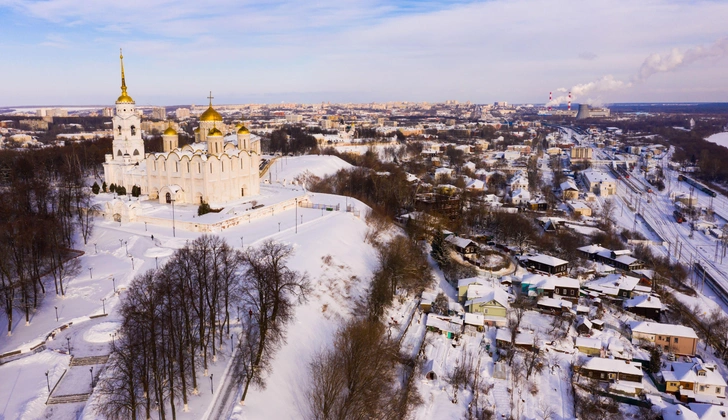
{"x":168,"y":198}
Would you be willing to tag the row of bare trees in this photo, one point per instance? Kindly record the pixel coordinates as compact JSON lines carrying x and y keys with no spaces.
{"x":43,"y":207}
{"x":175,"y":320}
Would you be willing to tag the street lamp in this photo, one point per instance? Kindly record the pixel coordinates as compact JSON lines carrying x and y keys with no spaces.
{"x":112,"y":339}
{"x":156,"y":261}
{"x":145,"y":226}
{"x":126,"y":245}
{"x":103,"y":303}
{"x":212,"y":391}
{"x":96,"y":250}
{"x":242,"y":242}
{"x":173,"y":231}
{"x":232,"y":343}
{"x":113,"y":282}
{"x":132,"y":263}
{"x":48,"y":382}
{"x":296,"y":219}
{"x":68,"y":340}
{"x":92,"y":376}
{"x":56,"y":313}
{"x":121,"y":243}
{"x":90,"y":273}
{"x":279,"y":226}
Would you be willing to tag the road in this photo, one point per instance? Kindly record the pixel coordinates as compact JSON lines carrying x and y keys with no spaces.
{"x":226,"y":396}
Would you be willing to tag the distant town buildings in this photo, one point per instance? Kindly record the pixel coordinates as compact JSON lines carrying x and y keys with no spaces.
{"x":159,"y":113}
{"x":182,"y":113}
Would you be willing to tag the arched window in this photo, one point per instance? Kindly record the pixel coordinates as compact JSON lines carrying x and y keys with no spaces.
{"x":168,"y":197}
{"x":136,"y":152}
{"x":176,"y":167}
{"x":119,"y":153}
{"x":133,"y":130}
{"x":188,"y":167}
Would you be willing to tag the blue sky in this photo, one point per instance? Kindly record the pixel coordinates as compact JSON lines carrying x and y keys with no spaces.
{"x":66,"y":51}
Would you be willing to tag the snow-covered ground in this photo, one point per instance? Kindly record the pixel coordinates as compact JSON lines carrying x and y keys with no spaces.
{"x":117,"y":252}
{"x":719,"y":139}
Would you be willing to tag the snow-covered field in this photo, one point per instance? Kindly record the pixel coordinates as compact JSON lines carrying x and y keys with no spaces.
{"x":719,"y":139}
{"x":286,"y":169}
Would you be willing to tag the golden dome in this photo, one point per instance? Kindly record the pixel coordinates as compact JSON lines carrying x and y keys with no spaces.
{"x":169,"y":131}
{"x":125,"y":99}
{"x":210,"y":115}
{"x":243,"y":130}
{"x":214,"y":132}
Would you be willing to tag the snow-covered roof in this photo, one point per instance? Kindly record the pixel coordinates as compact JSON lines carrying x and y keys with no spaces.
{"x":475,"y":184}
{"x":656,"y":328}
{"x":678,"y":412}
{"x":589,"y":343}
{"x":444,"y":323}
{"x":556,"y":303}
{"x":474,"y":319}
{"x":592,"y":249}
{"x":594,"y":176}
{"x":613,"y":365}
{"x":644,"y":301}
{"x":709,"y":411}
{"x":611,"y":284}
{"x":688,"y":372}
{"x":547,"y":259}
{"x":568,"y":185}
{"x":470,"y":280}
{"x":484,"y":294}
{"x":458,"y":241}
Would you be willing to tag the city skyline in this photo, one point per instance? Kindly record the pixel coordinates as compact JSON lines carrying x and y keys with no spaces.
{"x":364,"y":51}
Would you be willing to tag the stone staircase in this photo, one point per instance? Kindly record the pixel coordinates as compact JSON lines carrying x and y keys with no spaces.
{"x":67,"y":399}
{"x":88,"y":361}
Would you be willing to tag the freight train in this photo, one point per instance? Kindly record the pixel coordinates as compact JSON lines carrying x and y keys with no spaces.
{"x":697,"y":185}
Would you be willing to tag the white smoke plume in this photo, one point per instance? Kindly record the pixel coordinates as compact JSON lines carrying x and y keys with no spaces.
{"x":589,"y":92}
{"x":654,"y":63}
{"x":660,"y":63}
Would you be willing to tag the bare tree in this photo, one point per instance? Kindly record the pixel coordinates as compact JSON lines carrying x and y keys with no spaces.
{"x":269,"y":291}
{"x":354,"y":380}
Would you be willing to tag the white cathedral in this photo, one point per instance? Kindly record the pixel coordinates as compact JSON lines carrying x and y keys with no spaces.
{"x":211,"y":169}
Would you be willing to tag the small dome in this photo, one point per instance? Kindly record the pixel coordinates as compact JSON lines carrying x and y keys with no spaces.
{"x":243,"y":130}
{"x":169,"y":131}
{"x":125,"y":99}
{"x":210,"y":115}
{"x":214,"y":132}
{"x":197,"y":130}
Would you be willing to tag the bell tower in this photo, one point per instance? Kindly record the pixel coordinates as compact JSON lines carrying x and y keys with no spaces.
{"x":127,"y":126}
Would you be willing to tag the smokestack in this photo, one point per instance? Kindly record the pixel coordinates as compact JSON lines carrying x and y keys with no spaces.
{"x":569,"y":101}
{"x":549,"y":101}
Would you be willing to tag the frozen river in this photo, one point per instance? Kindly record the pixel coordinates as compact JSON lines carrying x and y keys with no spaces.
{"x":719,"y":139}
